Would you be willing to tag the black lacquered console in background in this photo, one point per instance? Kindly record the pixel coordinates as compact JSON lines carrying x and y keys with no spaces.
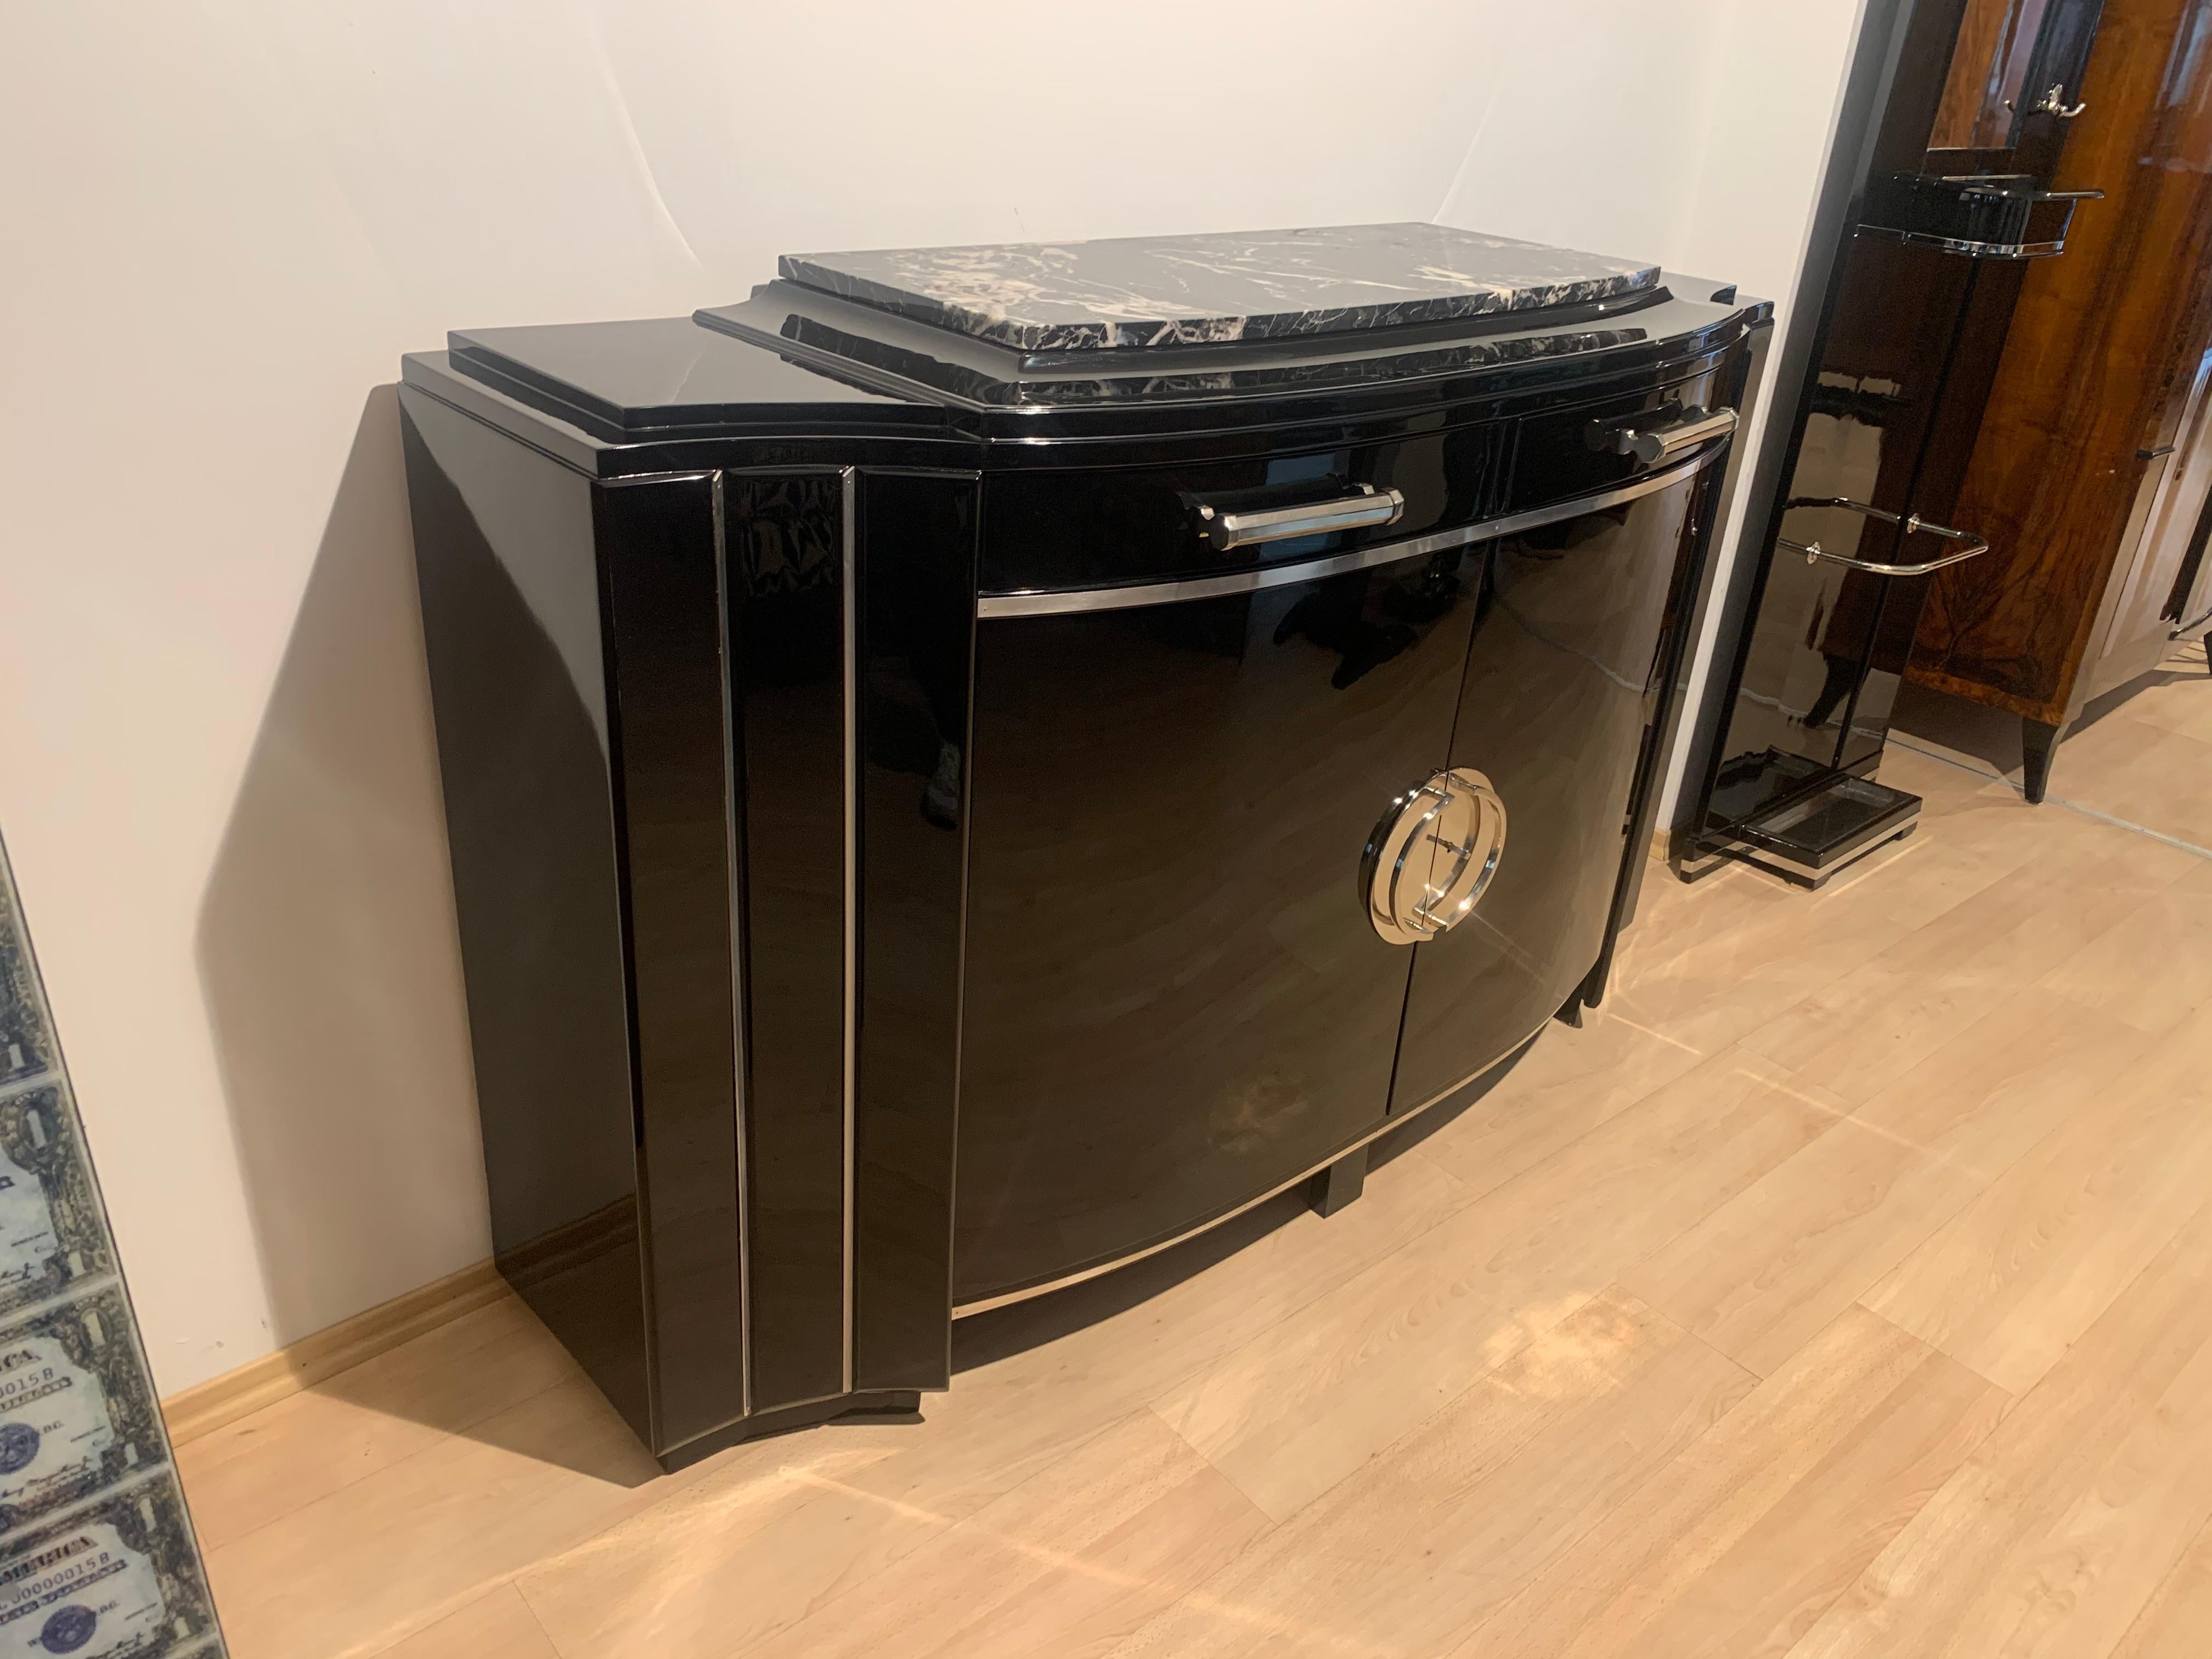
{"x":971,"y":766}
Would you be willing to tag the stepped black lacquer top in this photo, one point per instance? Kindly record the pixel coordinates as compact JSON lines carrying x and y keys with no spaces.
{"x":1138,"y":291}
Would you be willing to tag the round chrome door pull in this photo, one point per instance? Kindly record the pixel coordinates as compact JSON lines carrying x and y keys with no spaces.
{"x":1431,"y":857}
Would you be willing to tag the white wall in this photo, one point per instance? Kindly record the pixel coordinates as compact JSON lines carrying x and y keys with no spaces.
{"x":224,"y":222}
{"x":1712,"y":134}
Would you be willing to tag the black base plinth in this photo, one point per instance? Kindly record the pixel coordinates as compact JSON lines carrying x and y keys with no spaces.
{"x":1329,"y":1190}
{"x":893,"y":1405}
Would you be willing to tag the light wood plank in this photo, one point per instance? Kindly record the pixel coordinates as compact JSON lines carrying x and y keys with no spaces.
{"x":2057,"y":1532}
{"x":1735,"y":1546}
{"x":1289,"y":1415}
{"x":2160,"y":779}
{"x":1768,"y":1268}
{"x":2013,"y":1279}
{"x":2176,"y":698}
{"x":1711,"y":993}
{"x":2177,"y":1623}
{"x":778,"y":1529}
{"x":1868,"y":1029}
{"x":2152,"y":968}
{"x":1571,"y":1082}
{"x":245,"y":1474}
{"x":1419,"y":1545}
{"x":390,"y":1555}
{"x":498,"y":1625}
{"x":1068,"y":1562}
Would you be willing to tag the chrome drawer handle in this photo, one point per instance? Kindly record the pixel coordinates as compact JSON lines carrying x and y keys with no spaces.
{"x":1430,"y":860}
{"x":1913,"y":522}
{"x":1275,"y":524}
{"x":1665,"y":439}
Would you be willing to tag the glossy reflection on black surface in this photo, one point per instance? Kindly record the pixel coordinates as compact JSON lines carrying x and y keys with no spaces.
{"x":1110,"y":957}
{"x":1566,"y":640}
{"x":1094,"y":529}
{"x":657,"y":543}
{"x":508,"y":573}
{"x":784,"y":537}
{"x":1175,"y":1000}
{"x":1561,"y":454}
{"x":918,"y":573}
{"x":1828,"y":648}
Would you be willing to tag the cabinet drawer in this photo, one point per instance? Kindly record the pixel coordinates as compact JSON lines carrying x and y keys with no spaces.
{"x":1567,"y":453}
{"x":1061,"y":531}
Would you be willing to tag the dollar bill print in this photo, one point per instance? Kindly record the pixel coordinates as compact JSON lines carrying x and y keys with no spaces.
{"x":26,"y":1050}
{"x":97,"y":1556}
{"x":115,"y":1578}
{"x":53,"y":1235}
{"x":76,"y":1413}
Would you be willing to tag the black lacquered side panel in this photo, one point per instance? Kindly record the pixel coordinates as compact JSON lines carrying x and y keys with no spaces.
{"x":784,"y":538}
{"x":917,"y":575}
{"x":1176,"y":1000}
{"x":1567,"y":650}
{"x":511,"y":621}
{"x":658,"y":556}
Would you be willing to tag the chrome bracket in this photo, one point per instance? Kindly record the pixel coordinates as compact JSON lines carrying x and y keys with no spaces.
{"x":2053,"y":102}
{"x":1912,"y":523}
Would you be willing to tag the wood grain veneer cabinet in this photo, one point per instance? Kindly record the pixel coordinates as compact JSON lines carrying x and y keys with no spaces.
{"x":2091,"y":473}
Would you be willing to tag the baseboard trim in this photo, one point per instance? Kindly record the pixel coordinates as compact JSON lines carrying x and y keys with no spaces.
{"x":221,"y":1401}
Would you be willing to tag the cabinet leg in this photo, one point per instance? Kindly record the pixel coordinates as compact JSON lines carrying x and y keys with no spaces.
{"x":1329,"y":1190}
{"x":2038,"y":744}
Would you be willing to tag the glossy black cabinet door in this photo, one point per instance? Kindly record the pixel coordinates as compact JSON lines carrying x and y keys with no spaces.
{"x":1175,"y":1000}
{"x":1558,"y":689}
{"x":785,"y":553}
{"x":917,"y":615}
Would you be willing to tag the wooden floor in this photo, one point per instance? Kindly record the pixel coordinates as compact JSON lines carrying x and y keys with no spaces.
{"x":2141,"y":755}
{"x":1846,"y":1289}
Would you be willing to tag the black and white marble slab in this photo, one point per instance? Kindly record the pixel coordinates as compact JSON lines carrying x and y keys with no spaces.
{"x":1134,"y":291}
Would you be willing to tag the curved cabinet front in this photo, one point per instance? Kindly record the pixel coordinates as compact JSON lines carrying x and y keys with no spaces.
{"x":1175,"y":1000}
{"x":1206,"y":828}
{"x":1561,"y":684}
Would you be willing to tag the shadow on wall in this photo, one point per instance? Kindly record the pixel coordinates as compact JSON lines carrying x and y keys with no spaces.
{"x":327,"y":946}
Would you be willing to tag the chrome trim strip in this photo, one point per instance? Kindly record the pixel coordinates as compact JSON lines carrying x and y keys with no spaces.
{"x":848,"y":479}
{"x":1035,"y":602}
{"x":1398,"y":1121}
{"x":1971,"y":250}
{"x":734,"y":864}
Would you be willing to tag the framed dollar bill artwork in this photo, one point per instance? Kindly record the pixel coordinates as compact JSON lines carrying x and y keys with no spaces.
{"x":97,"y":1555}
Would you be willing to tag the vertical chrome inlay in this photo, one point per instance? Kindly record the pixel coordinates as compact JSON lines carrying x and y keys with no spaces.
{"x":849,"y":479}
{"x":733,"y":861}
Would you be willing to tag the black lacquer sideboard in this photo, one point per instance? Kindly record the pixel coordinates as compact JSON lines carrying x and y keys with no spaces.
{"x":973,"y":765}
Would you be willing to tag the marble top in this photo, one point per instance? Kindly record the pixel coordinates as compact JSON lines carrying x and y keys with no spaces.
{"x":1184,"y":290}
